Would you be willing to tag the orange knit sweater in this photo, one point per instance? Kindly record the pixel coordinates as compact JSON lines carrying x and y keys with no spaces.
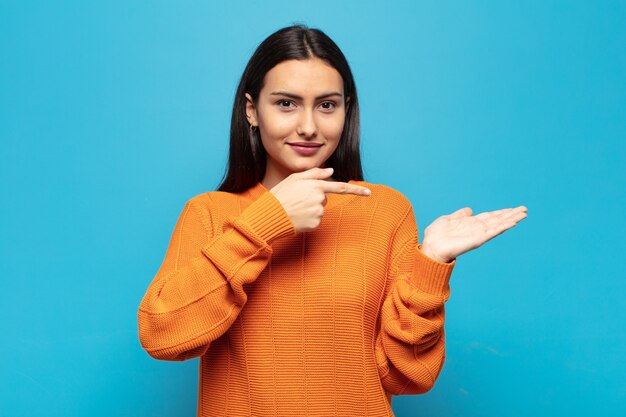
{"x":330,"y":322}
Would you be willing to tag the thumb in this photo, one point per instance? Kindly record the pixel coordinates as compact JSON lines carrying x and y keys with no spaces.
{"x":315,"y":173}
{"x":465,"y":211}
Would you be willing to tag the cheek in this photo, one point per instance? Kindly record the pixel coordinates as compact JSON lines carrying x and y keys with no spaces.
{"x":333,"y":128}
{"x":276,"y":126}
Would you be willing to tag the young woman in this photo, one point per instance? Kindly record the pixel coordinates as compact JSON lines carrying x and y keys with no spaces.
{"x":301,"y":287}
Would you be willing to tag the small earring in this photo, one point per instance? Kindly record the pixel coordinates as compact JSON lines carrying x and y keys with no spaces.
{"x":253,"y":140}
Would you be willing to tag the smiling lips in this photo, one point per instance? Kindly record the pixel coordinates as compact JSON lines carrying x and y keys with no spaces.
{"x":305,"y":148}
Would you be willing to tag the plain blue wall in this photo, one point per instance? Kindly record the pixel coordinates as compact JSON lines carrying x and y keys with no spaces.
{"x":113,"y":114}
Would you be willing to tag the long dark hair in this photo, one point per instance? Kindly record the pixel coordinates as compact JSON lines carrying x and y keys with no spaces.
{"x":247,"y":157}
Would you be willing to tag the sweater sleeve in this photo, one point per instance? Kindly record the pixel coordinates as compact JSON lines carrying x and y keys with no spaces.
{"x":410,"y":342}
{"x":198,"y":291}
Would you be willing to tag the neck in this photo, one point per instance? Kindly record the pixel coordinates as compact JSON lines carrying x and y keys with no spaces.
{"x":271,"y":179}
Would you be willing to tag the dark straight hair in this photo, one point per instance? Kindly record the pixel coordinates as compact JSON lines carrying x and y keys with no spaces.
{"x":247,"y":157}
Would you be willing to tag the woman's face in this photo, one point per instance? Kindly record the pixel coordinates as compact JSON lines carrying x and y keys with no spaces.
{"x":300,"y":113}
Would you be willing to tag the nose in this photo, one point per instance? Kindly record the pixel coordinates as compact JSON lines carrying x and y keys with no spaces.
{"x":307,"y":126}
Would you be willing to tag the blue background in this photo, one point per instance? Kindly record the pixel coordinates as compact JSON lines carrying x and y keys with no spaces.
{"x":113,"y":114}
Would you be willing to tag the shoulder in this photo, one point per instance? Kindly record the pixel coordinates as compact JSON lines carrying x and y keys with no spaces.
{"x":387,"y":196}
{"x":213,"y":202}
{"x":209,"y":197}
{"x":395,"y":214}
{"x":388,"y":208}
{"x":211,"y":208}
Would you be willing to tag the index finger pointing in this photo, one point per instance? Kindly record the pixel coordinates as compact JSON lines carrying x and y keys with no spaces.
{"x":339,"y":187}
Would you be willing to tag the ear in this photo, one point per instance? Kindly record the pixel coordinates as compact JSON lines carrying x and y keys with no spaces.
{"x":347,"y":104}
{"x":251,"y":111}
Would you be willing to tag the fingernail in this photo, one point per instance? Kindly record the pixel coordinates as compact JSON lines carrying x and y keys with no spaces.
{"x":367,"y":191}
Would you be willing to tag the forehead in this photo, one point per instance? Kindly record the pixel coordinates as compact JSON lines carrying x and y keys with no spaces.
{"x":304,"y":76}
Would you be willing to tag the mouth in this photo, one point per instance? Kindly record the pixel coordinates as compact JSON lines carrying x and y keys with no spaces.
{"x":306,"y":144}
{"x":305,"y":149}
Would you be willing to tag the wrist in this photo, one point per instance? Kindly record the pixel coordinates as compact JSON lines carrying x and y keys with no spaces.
{"x":427,"y":250}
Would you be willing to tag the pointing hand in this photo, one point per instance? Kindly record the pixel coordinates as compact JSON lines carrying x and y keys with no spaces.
{"x":303,"y":195}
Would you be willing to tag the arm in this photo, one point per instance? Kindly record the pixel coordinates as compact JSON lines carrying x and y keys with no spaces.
{"x":410,"y":343}
{"x":198,"y":292}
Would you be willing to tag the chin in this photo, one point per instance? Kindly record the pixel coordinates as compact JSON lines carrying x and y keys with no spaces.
{"x":304,"y":167}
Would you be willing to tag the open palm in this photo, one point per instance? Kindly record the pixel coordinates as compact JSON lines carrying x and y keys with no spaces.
{"x":452,"y":235}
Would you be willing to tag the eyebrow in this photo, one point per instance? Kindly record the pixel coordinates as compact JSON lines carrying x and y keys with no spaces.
{"x":297,"y":97}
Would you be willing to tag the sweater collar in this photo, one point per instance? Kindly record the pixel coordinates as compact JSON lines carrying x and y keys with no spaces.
{"x":256,"y":191}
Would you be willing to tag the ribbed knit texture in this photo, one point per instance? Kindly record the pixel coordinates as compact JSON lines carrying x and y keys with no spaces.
{"x":330,"y":322}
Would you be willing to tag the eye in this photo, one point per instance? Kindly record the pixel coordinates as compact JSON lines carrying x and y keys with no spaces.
{"x":284,"y":104}
{"x":328,"y":105}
